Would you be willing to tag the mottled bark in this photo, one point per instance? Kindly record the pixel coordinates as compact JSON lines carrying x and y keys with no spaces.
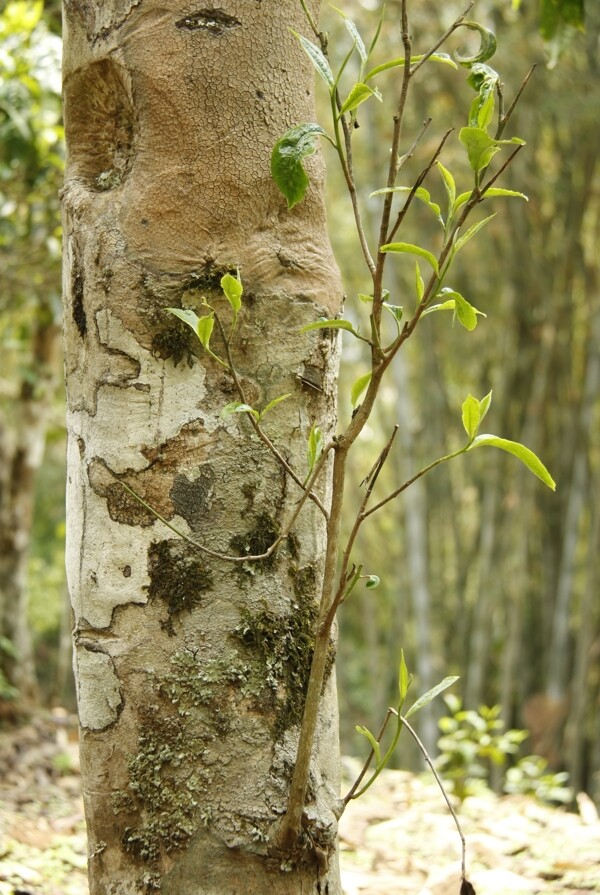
{"x":191,"y":670}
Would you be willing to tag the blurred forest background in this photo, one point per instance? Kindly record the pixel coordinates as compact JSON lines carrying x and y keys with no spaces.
{"x":484,"y":572}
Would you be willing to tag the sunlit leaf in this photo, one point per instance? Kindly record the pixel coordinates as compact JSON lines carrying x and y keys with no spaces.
{"x":481,"y":148}
{"x":334,"y":323}
{"x":471,"y":232}
{"x":406,"y":247}
{"x":317,"y":58}
{"x":471,"y":416}
{"x":374,"y":744}
{"x":426,"y":698}
{"x":524,"y":454}
{"x":274,"y":403}
{"x":359,"y":387}
{"x":358,"y":94}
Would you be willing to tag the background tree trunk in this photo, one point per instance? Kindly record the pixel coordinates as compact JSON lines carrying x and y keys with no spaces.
{"x":191,"y":671}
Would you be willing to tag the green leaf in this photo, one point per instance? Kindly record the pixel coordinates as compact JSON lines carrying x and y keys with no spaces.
{"x":359,"y":387}
{"x":463,"y":310}
{"x":359,"y":93}
{"x":374,"y":744}
{"x":475,"y":228}
{"x":404,"y":678}
{"x":317,"y":58}
{"x":233,"y":291}
{"x":449,"y":184}
{"x":240,"y":407}
{"x":471,"y":416}
{"x":526,"y":456}
{"x":377,"y":31}
{"x":373,"y":581}
{"x":426,"y":698}
{"x":487,"y":47}
{"x":354,"y":34}
{"x":288,"y":153}
{"x":492,"y":193}
{"x":419,"y":284}
{"x":399,"y":247}
{"x":449,"y":305}
{"x":444,"y":58}
{"x":334,"y":323}
{"x":202,"y":326}
{"x":484,"y":405}
{"x":274,"y":403}
{"x":395,"y":310}
{"x":420,"y":193}
{"x":315,"y":446}
{"x":481,"y":148}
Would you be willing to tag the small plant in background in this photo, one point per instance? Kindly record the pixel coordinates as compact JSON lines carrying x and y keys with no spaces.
{"x":473,"y":743}
{"x":531,"y":776}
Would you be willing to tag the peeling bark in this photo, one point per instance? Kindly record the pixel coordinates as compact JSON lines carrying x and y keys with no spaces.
{"x":188,"y":728}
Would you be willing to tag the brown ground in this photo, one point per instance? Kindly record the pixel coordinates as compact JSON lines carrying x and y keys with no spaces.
{"x":398,"y":838}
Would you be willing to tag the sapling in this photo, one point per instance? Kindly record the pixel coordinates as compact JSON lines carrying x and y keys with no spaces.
{"x":482,"y":138}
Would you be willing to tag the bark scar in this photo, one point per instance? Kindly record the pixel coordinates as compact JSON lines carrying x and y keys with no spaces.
{"x":214,"y":21}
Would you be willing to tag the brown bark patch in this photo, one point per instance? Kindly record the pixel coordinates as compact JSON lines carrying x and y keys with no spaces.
{"x":100,"y":118}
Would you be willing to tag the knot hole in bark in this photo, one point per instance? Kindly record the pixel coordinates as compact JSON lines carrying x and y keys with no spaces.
{"x":212,"y":21}
{"x":100,"y":119}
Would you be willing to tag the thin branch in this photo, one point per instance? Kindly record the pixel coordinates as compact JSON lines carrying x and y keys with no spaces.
{"x":417,"y":184}
{"x":224,"y":556}
{"x":259,"y":430}
{"x":350,"y":794}
{"x":439,"y":782}
{"x":456,"y":24}
{"x":410,"y":481}
{"x":505,"y":117}
{"x":370,"y":481}
{"x":498,"y":174}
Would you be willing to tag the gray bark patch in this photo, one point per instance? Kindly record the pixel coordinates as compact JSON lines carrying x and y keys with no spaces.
{"x":99,"y":692}
{"x":213,"y":21}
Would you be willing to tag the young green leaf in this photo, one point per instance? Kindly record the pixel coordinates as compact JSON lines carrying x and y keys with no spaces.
{"x":464,"y":311}
{"x":475,"y":228}
{"x":373,"y":581}
{"x":359,"y":387}
{"x":233,"y":291}
{"x":420,"y":193}
{"x":449,"y":184}
{"x":471,"y":416}
{"x":239,"y":407}
{"x":487,"y":47}
{"x":315,"y":447}
{"x":426,"y":698}
{"x":395,"y":310}
{"x":202,"y":326}
{"x":419,"y":284}
{"x":526,"y":456}
{"x":481,"y":148}
{"x":395,"y":63}
{"x":189,"y":317}
{"x":317,"y":58}
{"x":334,"y":323}
{"x":377,"y":31}
{"x":358,"y":94}
{"x":404,"y":679}
{"x":355,"y":35}
{"x":488,"y":194}
{"x":399,"y":247}
{"x":288,"y":153}
{"x":273,"y":404}
{"x":374,"y":744}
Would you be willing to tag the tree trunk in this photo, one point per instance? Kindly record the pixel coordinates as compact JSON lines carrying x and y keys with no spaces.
{"x":190,"y":669}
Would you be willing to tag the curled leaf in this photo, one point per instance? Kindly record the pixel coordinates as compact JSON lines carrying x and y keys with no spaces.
{"x":288,"y":154}
{"x":487,"y":47}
